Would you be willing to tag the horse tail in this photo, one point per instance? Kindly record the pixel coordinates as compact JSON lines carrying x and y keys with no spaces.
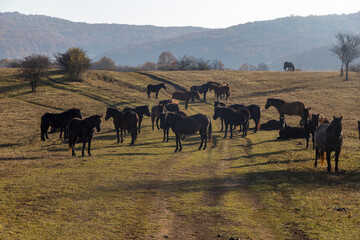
{"x":134,"y":134}
{"x":322,"y":158}
{"x":43,"y":127}
{"x":210,"y":130}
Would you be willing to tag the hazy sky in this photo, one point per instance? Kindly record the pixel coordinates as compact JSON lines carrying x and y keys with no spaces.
{"x":203,"y":13}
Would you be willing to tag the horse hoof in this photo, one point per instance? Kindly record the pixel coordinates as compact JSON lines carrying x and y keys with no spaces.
{"x":175,"y":150}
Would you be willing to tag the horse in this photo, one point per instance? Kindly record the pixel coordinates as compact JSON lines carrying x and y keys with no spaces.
{"x":220,"y":90}
{"x":233,"y":117}
{"x":167,"y":101}
{"x":202,"y":89}
{"x":141,"y":111}
{"x":312,"y":125}
{"x":189,"y":125}
{"x":157,"y":110}
{"x":359,"y":128}
{"x":255,"y":113}
{"x":271,"y":125}
{"x":293,"y":108}
{"x":84,"y":130}
{"x":185,"y":96}
{"x":155,"y":88}
{"x":58,"y":120}
{"x":166,"y":126}
{"x":287,"y":132}
{"x":123,"y":120}
{"x":306,"y":116}
{"x":328,"y":138}
{"x":289,"y":66}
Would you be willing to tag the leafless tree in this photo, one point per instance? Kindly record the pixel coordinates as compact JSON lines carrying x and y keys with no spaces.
{"x":104,"y":63}
{"x":33,"y":68}
{"x":167,"y":61}
{"x":262,"y":67}
{"x":347,"y":49}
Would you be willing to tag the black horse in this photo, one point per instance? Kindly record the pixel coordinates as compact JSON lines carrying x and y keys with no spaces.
{"x":189,"y":125}
{"x":233,"y":117}
{"x":328,"y":138}
{"x":202,"y":89}
{"x":289,"y":66}
{"x":141,"y":111}
{"x":83,"y":129}
{"x":57,"y":120}
{"x":155,"y":88}
{"x":123,"y":121}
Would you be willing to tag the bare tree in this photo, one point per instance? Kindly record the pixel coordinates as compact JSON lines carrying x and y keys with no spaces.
{"x":347,"y":49}
{"x":217,"y":65}
{"x":262,"y":67}
{"x":104,"y":63}
{"x":167,"y":61}
{"x":33,"y":68}
{"x":149,"y":66}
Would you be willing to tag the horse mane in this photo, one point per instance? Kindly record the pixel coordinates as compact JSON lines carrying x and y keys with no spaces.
{"x":276,"y":100}
{"x":72,"y":109}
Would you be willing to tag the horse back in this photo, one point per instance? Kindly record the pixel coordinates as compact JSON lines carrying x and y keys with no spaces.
{"x":320,"y":136}
{"x":191,"y":124}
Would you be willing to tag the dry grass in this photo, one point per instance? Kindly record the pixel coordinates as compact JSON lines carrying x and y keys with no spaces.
{"x":256,"y":187}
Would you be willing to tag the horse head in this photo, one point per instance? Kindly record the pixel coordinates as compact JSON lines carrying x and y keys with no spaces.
{"x":163,"y":86}
{"x":216,"y":113}
{"x":268,"y":104}
{"x":306,"y":117}
{"x":109,"y":113}
{"x":97,"y":122}
{"x":336,"y":126}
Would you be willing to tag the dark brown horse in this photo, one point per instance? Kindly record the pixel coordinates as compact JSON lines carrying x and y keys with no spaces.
{"x":328,"y":138}
{"x":141,"y":111}
{"x":167,"y":101}
{"x":289,"y":66}
{"x":157,"y":110}
{"x":123,"y":120}
{"x":202,"y":89}
{"x":155,"y":88}
{"x":293,"y":108}
{"x":189,"y":125}
{"x":233,"y":117}
{"x":84,"y":130}
{"x":57,"y":120}
{"x":185,"y":96}
{"x":166,"y":126}
{"x":220,"y":91}
{"x":359,"y":128}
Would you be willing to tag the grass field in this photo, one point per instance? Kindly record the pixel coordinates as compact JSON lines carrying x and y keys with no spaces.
{"x":252,"y":188}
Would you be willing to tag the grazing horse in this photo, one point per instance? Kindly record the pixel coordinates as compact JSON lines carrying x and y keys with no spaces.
{"x":233,"y":117}
{"x":289,"y":66}
{"x":166,"y":126}
{"x":293,"y":108}
{"x":202,"y":89}
{"x":220,"y":91}
{"x":84,"y":130}
{"x":185,"y":96}
{"x":57,"y":120}
{"x":328,"y":138}
{"x":123,"y":120}
{"x":189,"y":125}
{"x":155,"y":88}
{"x":141,"y":111}
{"x":255,"y":113}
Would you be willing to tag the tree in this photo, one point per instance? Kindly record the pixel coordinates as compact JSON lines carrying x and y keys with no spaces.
{"x":347,"y":49}
{"x":247,"y":67}
{"x":149,"y":66}
{"x":167,"y":61}
{"x":104,"y":63}
{"x":33,"y":68}
{"x":217,"y":65}
{"x":74,"y":61}
{"x":262,"y":67}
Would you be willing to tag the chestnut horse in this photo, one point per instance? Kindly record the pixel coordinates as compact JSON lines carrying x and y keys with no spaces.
{"x":185,"y":96}
{"x":293,"y":108}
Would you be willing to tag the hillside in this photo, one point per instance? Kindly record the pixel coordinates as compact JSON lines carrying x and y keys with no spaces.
{"x":249,"y":188}
{"x":22,"y":35}
{"x":272,"y":42}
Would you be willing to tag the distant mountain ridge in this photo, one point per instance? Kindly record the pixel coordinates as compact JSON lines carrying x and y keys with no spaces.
{"x":305,"y":41}
{"x":22,"y":35}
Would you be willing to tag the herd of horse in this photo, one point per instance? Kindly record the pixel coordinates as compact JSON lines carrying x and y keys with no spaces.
{"x":326,"y":135}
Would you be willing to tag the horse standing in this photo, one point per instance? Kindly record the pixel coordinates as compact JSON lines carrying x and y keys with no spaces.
{"x":155,"y":88}
{"x":189,"y":125}
{"x":289,"y":66}
{"x":166,"y":125}
{"x":202,"y":89}
{"x":141,"y":111}
{"x":185,"y":96}
{"x":58,"y":120}
{"x":220,"y":90}
{"x":84,"y":130}
{"x":293,"y":108}
{"x":328,"y":138}
{"x":233,"y":117}
{"x":157,"y":110}
{"x":123,"y":120}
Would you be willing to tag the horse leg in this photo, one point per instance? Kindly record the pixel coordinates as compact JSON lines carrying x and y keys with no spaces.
{"x":157,"y":123}
{"x":328,"y":153}
{"x":152,"y":121}
{"x":157,"y":93}
{"x":89,"y":144}
{"x":307,"y":141}
{"x":61,"y":130}
{"x":140,"y":120}
{"x":226,"y":128}
{"x":186,"y":104}
{"x":222,"y":123}
{"x":148,"y":93}
{"x":177,"y":142}
{"x":84,"y":144}
{"x":65,"y":133}
{"x":202,"y":140}
{"x":316,"y":156}
{"x":164,"y":130}
{"x":205,"y":138}
{"x":313,"y":140}
{"x":205,"y":96}
{"x":231,"y":130}
{"x":180,"y":145}
{"x":337,"y":153}
{"x":167,"y":134}
{"x":117,"y":134}
{"x":256,"y":125}
{"x":73,"y":146}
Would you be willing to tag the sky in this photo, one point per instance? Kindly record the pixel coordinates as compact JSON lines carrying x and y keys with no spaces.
{"x":199,"y":13}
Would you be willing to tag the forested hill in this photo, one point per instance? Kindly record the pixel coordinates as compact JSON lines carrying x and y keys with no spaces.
{"x":22,"y":35}
{"x":273,"y":42}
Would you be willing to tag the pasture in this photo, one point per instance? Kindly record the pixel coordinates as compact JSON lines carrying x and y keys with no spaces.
{"x":252,"y":188}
